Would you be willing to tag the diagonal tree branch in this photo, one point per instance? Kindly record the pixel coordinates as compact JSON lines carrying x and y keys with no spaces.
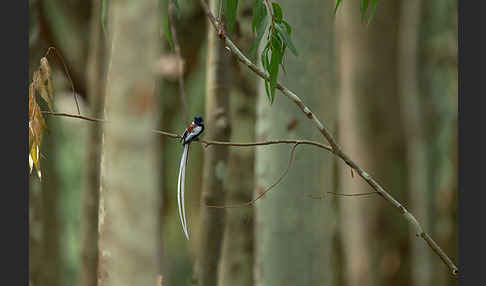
{"x":335,"y":147}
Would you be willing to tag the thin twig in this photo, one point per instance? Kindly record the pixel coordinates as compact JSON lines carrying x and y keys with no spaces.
{"x":336,"y":149}
{"x":250,"y":203}
{"x":74,"y":116}
{"x":270,"y":142}
{"x":320,"y":197}
{"x":180,"y":61}
{"x":353,"y":195}
{"x":205,"y":143}
{"x":67,"y":73}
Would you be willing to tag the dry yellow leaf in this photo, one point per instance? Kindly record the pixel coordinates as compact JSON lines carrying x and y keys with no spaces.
{"x":45,"y":71}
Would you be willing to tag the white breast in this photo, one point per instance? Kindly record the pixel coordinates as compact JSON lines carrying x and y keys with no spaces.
{"x":194,"y":132}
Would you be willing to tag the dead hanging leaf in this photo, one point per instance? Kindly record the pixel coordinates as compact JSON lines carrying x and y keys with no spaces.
{"x":31,"y":163}
{"x":34,"y":160}
{"x":36,"y":126}
{"x":41,"y":83}
{"x":41,"y":88}
{"x":31,"y":99}
{"x":45,"y":71}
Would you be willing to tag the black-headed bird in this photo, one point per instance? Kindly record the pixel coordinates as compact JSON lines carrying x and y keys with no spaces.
{"x":192,"y":132}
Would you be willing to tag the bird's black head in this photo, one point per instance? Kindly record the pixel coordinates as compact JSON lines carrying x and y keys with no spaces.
{"x":198,"y":120}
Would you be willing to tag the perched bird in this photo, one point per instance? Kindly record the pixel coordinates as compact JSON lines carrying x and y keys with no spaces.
{"x":192,"y":132}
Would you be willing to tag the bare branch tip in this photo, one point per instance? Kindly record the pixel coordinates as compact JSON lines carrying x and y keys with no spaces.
{"x":455,"y":272}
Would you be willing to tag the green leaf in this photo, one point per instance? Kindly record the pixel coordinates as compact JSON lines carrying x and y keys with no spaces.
{"x":284,"y":32}
{"x":229,"y":10}
{"x":277,"y":12}
{"x":256,"y":13}
{"x":363,"y":9}
{"x":176,"y":4}
{"x":264,"y":56}
{"x":265,"y":64}
{"x":259,"y":36}
{"x":374,"y":3}
{"x":259,"y":24}
{"x":287,"y":27}
{"x":338,"y":3}
{"x":282,"y":64}
{"x":275,"y":60}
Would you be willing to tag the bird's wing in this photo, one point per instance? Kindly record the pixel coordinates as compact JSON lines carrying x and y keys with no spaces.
{"x":193,"y":132}
{"x":191,"y":127}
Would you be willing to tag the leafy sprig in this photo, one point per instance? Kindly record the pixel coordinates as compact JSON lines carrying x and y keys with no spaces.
{"x":278,"y":40}
{"x":267,"y":18}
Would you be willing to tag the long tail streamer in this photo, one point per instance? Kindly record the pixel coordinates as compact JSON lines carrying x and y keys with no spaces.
{"x":180,"y":190}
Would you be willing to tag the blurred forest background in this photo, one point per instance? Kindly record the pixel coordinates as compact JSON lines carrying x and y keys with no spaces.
{"x":105,"y":210}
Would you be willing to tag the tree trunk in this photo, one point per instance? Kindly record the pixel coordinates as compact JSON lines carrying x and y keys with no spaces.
{"x":96,"y":78}
{"x":414,"y":134}
{"x":236,"y":267}
{"x":218,"y":127}
{"x":293,"y":231}
{"x":129,"y":198}
{"x":438,"y":89}
{"x":356,"y":214}
{"x":374,"y":240}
